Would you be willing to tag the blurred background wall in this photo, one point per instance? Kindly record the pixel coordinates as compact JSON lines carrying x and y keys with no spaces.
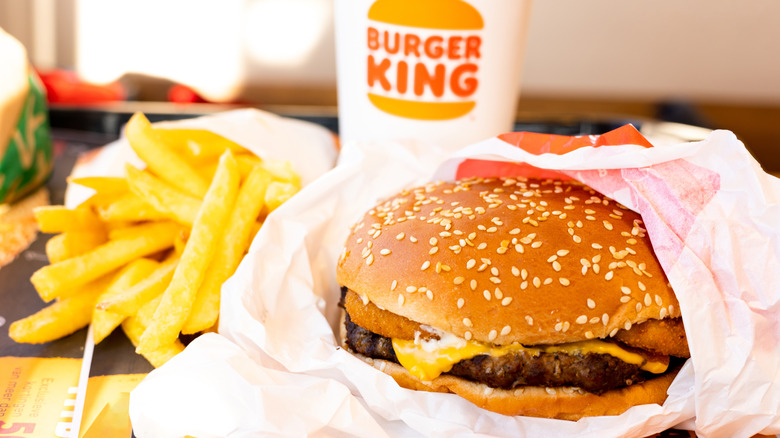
{"x":716,"y":50}
{"x":719,"y":58}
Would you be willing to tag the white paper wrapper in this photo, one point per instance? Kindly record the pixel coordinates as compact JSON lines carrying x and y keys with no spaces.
{"x":275,"y":368}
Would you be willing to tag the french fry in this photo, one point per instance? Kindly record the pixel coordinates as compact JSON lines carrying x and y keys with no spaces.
{"x":129,"y":207}
{"x":278,"y":193}
{"x":129,"y":300}
{"x":162,"y":197}
{"x":161,"y":159}
{"x":61,"y":318}
{"x":282,"y":171}
{"x":247,"y":163}
{"x":58,"y":219}
{"x":230,"y":250}
{"x":104,"y":322}
{"x":103,"y":184}
{"x":206,"y":232}
{"x":199,"y":144}
{"x":135,"y":326}
{"x":73,"y":243}
{"x":58,"y":279}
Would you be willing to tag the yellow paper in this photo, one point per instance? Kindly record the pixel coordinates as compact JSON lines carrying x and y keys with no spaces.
{"x":106,"y":406}
{"x":37,"y":395}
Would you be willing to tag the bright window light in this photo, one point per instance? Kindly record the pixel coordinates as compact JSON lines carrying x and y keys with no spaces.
{"x":285,"y":32}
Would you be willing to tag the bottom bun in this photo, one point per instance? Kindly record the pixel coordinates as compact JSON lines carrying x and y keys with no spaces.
{"x":564,"y":403}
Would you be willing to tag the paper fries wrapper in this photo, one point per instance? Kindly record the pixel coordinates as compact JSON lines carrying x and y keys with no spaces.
{"x":275,"y":368}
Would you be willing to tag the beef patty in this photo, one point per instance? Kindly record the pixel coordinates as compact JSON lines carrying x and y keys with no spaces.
{"x":594,"y":373}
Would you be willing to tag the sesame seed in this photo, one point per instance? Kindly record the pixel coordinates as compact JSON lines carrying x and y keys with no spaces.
{"x":467,"y":336}
{"x":625,"y":299}
{"x":429,"y":294}
{"x":596,"y":268}
{"x":433,"y":250}
{"x":562,"y":252}
{"x":648,"y":300}
{"x":433,"y":241}
{"x":556,"y":265}
{"x":426,"y":264}
{"x":461,"y":302}
{"x":564,"y":281}
{"x":529,"y":320}
{"x":523,"y":274}
{"x":515,"y":231}
{"x":385,"y":252}
{"x":596,"y":246}
{"x":662,"y":313}
{"x":558,"y":326}
{"x":582,"y":319}
{"x":609,"y":275}
{"x":498,"y":294}
{"x":613,"y":332}
{"x":400,"y":236}
{"x":411,"y":289}
{"x":486,"y":294}
{"x":642,"y":286}
{"x":625,"y":290}
{"x":492,"y":335}
{"x":393,"y":285}
{"x":537,"y":282}
{"x":413,"y":239}
{"x":552,"y":259}
{"x":472,"y":236}
{"x":536,"y":244}
{"x":515,"y":271}
{"x":627,"y":325}
{"x":671,"y":309}
{"x":604,"y":319}
{"x":506,"y":301}
{"x":505,"y":331}
{"x":591,"y":304}
{"x":638,"y":307}
{"x":576,"y":239}
{"x":471,"y":263}
{"x":370,"y":259}
{"x":658,"y":300}
{"x":589,"y":335}
{"x":482,"y":245}
{"x":607,"y":225}
{"x":400,"y":299}
{"x":594,"y":320}
{"x":467,"y":322}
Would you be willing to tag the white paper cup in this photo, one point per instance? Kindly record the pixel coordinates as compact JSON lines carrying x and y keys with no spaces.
{"x":440,"y":71}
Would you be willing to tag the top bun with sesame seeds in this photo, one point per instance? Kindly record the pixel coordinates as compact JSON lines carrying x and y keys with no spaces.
{"x":545,"y":267}
{"x":506,"y":260}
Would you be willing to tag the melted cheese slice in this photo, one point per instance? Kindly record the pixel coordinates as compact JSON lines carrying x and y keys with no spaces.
{"x":426,"y":360}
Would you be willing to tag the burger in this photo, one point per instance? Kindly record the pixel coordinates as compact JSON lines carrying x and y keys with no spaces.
{"x":526,"y":297}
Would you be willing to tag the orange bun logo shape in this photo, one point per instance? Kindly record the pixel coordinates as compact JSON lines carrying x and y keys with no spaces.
{"x":423,"y":59}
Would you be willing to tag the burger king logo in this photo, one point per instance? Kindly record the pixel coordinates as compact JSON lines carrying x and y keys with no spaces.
{"x":423,"y":57}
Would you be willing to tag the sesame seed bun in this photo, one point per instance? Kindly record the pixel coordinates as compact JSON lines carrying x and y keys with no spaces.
{"x":508,"y":260}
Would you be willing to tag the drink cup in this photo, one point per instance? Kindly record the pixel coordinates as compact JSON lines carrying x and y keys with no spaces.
{"x":445,"y":72}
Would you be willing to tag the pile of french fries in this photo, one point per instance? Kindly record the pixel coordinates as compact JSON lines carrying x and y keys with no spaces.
{"x":149,"y":252}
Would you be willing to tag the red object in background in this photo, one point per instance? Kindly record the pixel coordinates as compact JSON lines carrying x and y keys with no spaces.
{"x":63,"y":86}
{"x":184,"y":94}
